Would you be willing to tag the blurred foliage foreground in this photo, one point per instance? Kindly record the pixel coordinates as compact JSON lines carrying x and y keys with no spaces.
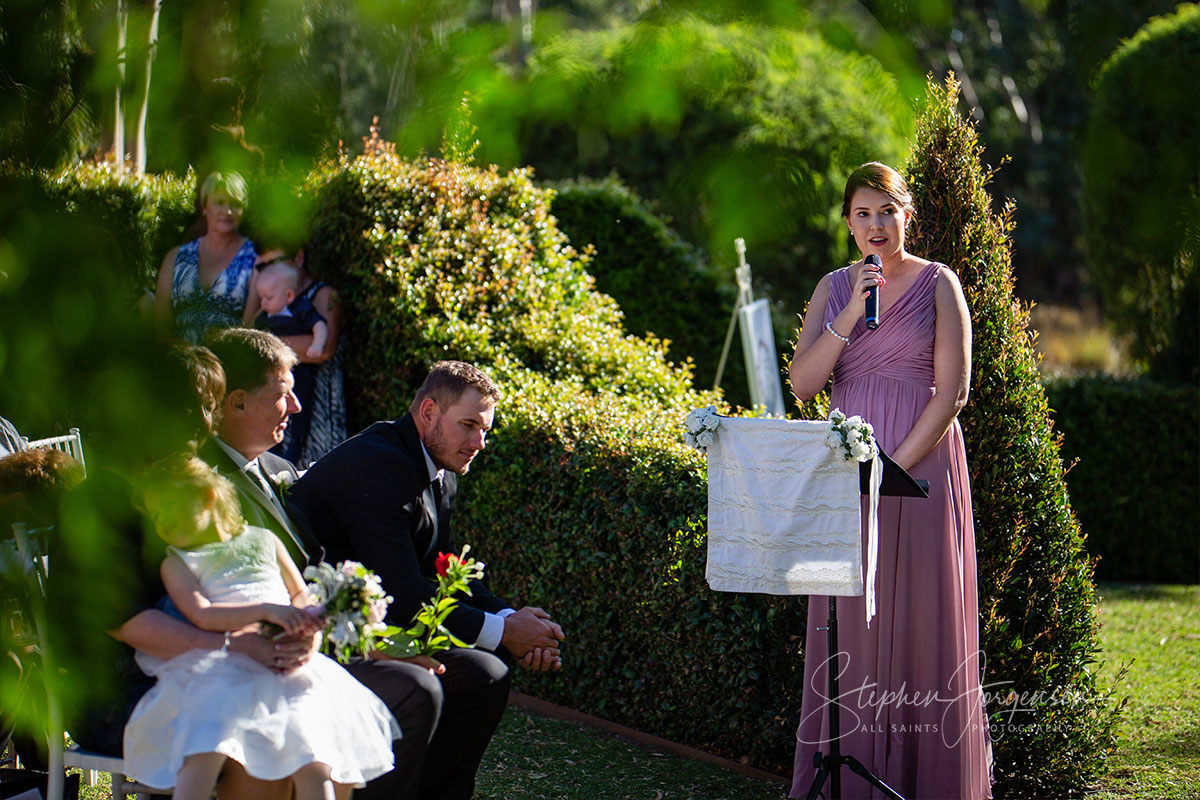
{"x":586,"y":501}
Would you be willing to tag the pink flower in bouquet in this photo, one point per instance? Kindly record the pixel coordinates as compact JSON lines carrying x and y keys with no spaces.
{"x":377,"y":610}
{"x":443,"y":563}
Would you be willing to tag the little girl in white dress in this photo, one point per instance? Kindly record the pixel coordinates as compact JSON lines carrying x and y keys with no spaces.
{"x":317,"y":724}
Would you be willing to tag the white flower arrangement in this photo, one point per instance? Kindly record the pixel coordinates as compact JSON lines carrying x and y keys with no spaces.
{"x":354,"y":604}
{"x":853,"y":436}
{"x":699,"y":427}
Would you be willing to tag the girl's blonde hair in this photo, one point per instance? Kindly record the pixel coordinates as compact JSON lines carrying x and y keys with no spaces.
{"x":188,"y":474}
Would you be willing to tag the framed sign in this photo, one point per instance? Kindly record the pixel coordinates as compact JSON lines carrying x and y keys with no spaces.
{"x":762,"y":360}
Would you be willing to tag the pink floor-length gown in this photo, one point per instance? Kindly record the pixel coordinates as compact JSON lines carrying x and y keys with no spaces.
{"x":909,"y":693}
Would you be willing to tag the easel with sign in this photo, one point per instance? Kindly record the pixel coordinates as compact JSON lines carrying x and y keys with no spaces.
{"x":758,"y":342}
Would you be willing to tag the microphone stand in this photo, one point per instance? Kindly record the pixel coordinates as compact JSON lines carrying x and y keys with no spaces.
{"x":830,"y":765}
{"x":896,"y":483}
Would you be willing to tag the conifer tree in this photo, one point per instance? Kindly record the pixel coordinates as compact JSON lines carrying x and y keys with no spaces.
{"x":1052,"y":721}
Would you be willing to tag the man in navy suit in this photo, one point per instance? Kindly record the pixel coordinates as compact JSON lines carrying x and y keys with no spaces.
{"x":385,"y":498}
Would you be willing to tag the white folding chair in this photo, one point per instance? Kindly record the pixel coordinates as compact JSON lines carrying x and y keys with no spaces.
{"x":70,"y":443}
{"x":34,"y":563}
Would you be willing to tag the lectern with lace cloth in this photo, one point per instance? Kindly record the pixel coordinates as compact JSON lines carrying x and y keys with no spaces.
{"x":784,"y":512}
{"x":785,"y":517}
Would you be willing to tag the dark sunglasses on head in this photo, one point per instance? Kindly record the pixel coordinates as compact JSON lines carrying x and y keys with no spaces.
{"x":261,"y":265}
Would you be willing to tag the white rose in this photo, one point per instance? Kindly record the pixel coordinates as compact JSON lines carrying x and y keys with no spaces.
{"x":853,"y":436}
{"x":859,"y":450}
{"x":282,"y":479}
{"x":342,"y":632}
{"x":694,"y":422}
{"x":837,"y":417}
{"x":704,"y":438}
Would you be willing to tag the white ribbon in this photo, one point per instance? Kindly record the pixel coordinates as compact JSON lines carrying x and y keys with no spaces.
{"x":873,"y":536}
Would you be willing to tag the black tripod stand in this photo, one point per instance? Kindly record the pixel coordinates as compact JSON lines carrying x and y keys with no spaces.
{"x":896,"y":483}
{"x":830,"y":765}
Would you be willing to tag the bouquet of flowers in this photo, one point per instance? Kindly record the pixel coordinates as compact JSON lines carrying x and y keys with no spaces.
{"x":427,"y":635}
{"x":854,"y":436}
{"x":698,"y":427}
{"x":351,"y":600}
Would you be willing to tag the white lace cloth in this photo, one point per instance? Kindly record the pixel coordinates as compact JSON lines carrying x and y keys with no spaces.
{"x":785,"y":512}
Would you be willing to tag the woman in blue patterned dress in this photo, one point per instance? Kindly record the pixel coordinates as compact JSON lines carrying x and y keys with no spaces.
{"x":207,"y":282}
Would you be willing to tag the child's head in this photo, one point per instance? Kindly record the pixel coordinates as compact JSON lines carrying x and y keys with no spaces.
{"x":32,"y":483}
{"x":187,"y":499}
{"x":277,"y":284}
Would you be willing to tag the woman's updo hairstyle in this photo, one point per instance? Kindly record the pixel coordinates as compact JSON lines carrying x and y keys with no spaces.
{"x":881,"y":178}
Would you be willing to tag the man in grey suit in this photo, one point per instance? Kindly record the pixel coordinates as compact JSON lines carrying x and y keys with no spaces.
{"x":254,"y":414}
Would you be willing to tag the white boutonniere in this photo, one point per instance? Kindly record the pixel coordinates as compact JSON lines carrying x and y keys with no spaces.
{"x":853,"y":436}
{"x":698,"y":427}
{"x":283,"y":481}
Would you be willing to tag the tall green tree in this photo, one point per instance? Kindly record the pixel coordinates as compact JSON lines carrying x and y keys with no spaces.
{"x":734,"y":129}
{"x":44,"y":63}
{"x":1025,"y":67}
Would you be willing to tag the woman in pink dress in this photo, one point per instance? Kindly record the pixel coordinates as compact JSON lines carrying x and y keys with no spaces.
{"x":910,"y":697}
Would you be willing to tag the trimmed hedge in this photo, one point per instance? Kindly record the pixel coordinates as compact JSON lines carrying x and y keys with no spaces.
{"x":145,"y":215}
{"x":662,"y":283}
{"x":1037,"y":602}
{"x":1134,"y":490}
{"x":585,"y":502}
{"x":1141,"y":181}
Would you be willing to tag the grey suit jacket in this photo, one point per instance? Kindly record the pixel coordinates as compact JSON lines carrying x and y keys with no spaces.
{"x":291,"y":527}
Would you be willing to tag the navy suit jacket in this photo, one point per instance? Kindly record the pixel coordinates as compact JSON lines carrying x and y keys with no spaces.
{"x":370,"y":499}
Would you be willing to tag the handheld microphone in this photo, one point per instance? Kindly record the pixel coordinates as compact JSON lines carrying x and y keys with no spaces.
{"x":872,"y":315}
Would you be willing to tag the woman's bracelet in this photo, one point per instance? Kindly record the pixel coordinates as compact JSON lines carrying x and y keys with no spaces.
{"x":829,"y":327}
{"x":225,"y":646}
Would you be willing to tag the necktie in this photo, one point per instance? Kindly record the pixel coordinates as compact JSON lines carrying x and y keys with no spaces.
{"x":254,"y":469}
{"x":300,"y":544}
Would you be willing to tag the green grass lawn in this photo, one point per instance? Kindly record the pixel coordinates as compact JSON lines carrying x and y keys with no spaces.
{"x":539,"y":759}
{"x":1157,"y":628}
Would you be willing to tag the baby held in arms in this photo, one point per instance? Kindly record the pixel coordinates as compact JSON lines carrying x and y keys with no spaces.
{"x":282,"y":314}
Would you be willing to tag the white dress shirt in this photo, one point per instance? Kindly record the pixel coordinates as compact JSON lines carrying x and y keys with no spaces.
{"x":253,"y":468}
{"x":493,"y":624}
